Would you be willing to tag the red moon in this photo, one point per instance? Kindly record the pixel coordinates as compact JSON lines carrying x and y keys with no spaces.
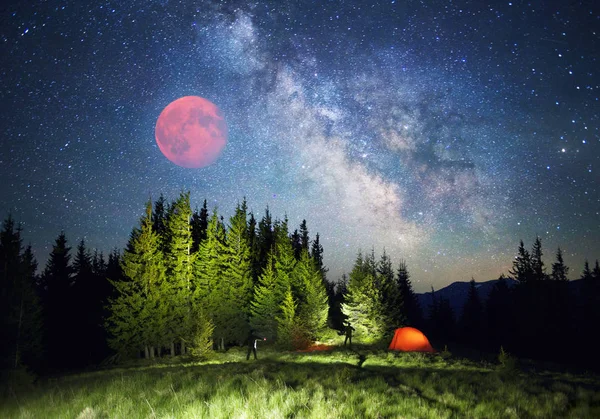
{"x":191,"y":132}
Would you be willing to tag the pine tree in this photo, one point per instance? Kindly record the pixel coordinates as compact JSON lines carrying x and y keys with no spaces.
{"x":176,"y":304}
{"x":411,"y":308}
{"x":20,"y":314}
{"x":559,"y":269}
{"x":159,"y":220}
{"x":471,"y":320}
{"x":199,"y":226}
{"x":313,"y":310}
{"x":339,"y":290}
{"x":304,"y":238}
{"x":391,"y":299}
{"x":290,"y":334}
{"x":265,"y":240}
{"x":285,"y":262}
{"x":362,"y":306}
{"x":596,"y":271}
{"x":590,"y":312}
{"x":296,"y":244}
{"x":238,"y":275}
{"x":136,"y":321}
{"x":537,"y":265}
{"x":586,"y":274}
{"x":201,"y":342}
{"x":58,"y":307}
{"x":317,"y":254}
{"x":210,"y":291}
{"x":86,"y":303}
{"x":254,"y":249}
{"x":209,"y":261}
{"x":499,"y":315}
{"x":265,"y":304}
{"x":522,"y":269}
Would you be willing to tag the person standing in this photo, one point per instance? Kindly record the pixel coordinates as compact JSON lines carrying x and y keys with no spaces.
{"x":348,"y":329}
{"x":252,"y":339}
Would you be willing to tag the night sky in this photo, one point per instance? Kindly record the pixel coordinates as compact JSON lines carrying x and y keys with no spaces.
{"x":442,"y":131}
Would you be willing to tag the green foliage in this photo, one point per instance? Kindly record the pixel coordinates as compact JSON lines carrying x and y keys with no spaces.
{"x":201,"y":342}
{"x":237,"y":275}
{"x":290,"y":334}
{"x":265,"y":305}
{"x":313,"y":308}
{"x":363,"y":308}
{"x":138,"y":312}
{"x":507,"y":362}
{"x":176,"y":291}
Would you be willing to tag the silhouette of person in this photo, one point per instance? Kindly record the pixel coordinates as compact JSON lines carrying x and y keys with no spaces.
{"x":252,"y":338}
{"x":348,"y":329}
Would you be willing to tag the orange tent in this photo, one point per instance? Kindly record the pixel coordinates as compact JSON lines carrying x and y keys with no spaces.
{"x":409,"y":339}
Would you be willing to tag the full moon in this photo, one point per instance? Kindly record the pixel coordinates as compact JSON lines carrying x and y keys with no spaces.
{"x":191,"y":132}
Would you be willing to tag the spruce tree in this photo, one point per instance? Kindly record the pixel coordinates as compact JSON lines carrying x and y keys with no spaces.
{"x":362,"y":306}
{"x":211,"y":292}
{"x":254,"y":251}
{"x":20,"y":313}
{"x":596,"y":271}
{"x":86,"y":305}
{"x":391,"y":300}
{"x":304,"y":238}
{"x":58,"y":306}
{"x":586,"y":274}
{"x":159,"y":219}
{"x":199,"y":226}
{"x":559,"y":269}
{"x":471,"y":325}
{"x":411,"y":307}
{"x":265,"y":240}
{"x":285,"y":262}
{"x":238,"y":275}
{"x":522,"y":269}
{"x":313,"y":310}
{"x":265,"y":305}
{"x":296,"y":244}
{"x":537,"y":265}
{"x":499,"y":315}
{"x":317,"y":254}
{"x":137,"y":319}
{"x":289,"y":330}
{"x":179,"y":262}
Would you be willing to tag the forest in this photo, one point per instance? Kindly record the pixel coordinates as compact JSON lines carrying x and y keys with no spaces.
{"x":190,"y":282}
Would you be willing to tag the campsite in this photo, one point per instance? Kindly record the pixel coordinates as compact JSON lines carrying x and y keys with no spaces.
{"x":330,"y":381}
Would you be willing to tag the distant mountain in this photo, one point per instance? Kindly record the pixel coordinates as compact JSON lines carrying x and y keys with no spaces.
{"x":457,"y":293}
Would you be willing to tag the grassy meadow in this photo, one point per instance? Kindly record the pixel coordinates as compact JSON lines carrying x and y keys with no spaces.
{"x":337,"y":383}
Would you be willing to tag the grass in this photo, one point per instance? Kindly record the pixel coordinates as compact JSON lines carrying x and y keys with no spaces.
{"x":339,"y":383}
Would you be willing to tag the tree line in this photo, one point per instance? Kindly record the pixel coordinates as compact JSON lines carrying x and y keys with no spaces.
{"x":186,"y":282}
{"x":534,"y":312}
{"x":189,"y":281}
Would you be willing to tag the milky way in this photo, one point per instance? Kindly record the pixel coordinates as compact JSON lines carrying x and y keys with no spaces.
{"x":443,"y":132}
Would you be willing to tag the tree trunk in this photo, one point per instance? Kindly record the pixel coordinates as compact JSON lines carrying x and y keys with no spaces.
{"x":182,"y":347}
{"x":172,"y":348}
{"x":146,"y":352}
{"x":152,"y":352}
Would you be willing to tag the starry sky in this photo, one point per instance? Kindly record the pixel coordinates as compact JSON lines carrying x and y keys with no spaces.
{"x":441,"y":131}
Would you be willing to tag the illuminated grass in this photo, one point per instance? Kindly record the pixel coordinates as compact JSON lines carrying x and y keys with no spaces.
{"x":311,"y":385}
